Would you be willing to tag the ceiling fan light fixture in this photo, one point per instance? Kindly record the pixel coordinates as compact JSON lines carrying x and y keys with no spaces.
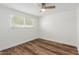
{"x":43,"y":10}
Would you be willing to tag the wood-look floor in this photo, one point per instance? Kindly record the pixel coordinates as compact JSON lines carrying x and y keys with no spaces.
{"x":41,"y":47}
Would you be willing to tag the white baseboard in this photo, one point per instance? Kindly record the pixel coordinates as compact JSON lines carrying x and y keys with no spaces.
{"x":13,"y":45}
{"x":59,"y":41}
{"x":30,"y":40}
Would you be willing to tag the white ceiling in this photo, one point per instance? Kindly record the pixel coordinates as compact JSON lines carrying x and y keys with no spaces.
{"x":34,"y":8}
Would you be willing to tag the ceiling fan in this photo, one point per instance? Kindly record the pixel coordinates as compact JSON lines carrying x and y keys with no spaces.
{"x":45,"y":6}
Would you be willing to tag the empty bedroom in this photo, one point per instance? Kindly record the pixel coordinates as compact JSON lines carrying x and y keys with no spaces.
{"x":39,"y":28}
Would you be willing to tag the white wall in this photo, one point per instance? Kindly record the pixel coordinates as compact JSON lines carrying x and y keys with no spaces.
{"x":12,"y":36}
{"x":60,"y":27}
{"x":78,"y":27}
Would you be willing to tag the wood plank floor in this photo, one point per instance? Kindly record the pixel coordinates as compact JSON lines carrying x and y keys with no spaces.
{"x":41,"y":47}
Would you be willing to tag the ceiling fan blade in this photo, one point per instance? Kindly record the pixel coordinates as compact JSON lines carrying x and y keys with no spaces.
{"x":50,"y":7}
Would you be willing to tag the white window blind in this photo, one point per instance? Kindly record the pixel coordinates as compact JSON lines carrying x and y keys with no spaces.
{"x":21,"y":21}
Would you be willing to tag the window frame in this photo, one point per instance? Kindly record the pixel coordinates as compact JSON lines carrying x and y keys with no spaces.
{"x":24,"y":25}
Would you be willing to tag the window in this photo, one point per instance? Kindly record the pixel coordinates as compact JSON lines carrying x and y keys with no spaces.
{"x":20,"y":21}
